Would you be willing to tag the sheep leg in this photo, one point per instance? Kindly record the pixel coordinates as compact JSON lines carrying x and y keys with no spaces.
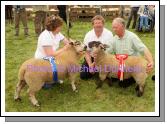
{"x":139,"y":90}
{"x":73,"y":86}
{"x":21,"y":84}
{"x":99,"y":83}
{"x":72,"y":79}
{"x":32,"y":97}
{"x":109,"y":81}
{"x":35,"y":84}
{"x":140,"y":80}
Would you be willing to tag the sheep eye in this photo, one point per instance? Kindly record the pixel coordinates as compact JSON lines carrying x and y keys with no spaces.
{"x":97,"y":44}
{"x":77,"y":43}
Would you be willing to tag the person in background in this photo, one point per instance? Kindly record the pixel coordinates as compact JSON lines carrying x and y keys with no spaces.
{"x":62,"y":13}
{"x":143,"y":17}
{"x":122,"y":9}
{"x":133,"y":13}
{"x":9,"y":13}
{"x":151,"y":9}
{"x":40,"y":18}
{"x":20,"y":14}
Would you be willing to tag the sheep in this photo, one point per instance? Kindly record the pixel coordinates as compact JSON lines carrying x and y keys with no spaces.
{"x":36,"y":79}
{"x":106,"y":60}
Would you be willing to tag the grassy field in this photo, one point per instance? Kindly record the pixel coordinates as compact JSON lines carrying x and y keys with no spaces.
{"x":88,"y":99}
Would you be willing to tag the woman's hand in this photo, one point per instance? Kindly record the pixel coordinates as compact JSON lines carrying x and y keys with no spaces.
{"x":58,"y":52}
{"x":66,"y":47}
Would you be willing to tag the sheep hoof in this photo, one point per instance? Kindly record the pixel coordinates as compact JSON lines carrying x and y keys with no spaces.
{"x":109,"y":81}
{"x":17,"y":99}
{"x":98,"y":87}
{"x":76,"y":91}
{"x":153,"y":78}
{"x":61,"y":91}
{"x":37,"y":105}
{"x":138,"y":92}
{"x":137,"y":88}
{"x":99,"y":84}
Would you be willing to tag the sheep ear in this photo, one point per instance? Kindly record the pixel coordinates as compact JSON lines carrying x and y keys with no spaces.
{"x":101,"y":46}
{"x":90,"y":44}
{"x":105,"y":46}
{"x":77,"y":42}
{"x":71,"y":43}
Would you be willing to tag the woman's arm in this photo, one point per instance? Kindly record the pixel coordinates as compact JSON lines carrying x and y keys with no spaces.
{"x":59,"y":51}
{"x":50,"y":52}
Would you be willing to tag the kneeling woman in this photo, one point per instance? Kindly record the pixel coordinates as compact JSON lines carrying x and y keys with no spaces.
{"x":49,"y":40}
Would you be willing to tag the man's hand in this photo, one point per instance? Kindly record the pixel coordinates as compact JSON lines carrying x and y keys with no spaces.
{"x":150,"y":66}
{"x":94,"y":55}
{"x":91,"y":68}
{"x":149,"y":59}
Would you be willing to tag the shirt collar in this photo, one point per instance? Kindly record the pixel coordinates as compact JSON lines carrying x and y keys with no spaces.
{"x":95,"y":33}
{"x":125,"y":35}
{"x":52,"y":35}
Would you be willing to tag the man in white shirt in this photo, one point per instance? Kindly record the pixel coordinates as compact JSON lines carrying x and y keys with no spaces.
{"x":98,"y":33}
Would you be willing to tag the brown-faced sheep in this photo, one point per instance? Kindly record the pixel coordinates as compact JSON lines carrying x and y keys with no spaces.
{"x":36,"y":72}
{"x":109,"y":66}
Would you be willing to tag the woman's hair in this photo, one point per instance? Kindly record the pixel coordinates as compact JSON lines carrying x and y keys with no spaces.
{"x":53,"y":22}
{"x":98,"y":17}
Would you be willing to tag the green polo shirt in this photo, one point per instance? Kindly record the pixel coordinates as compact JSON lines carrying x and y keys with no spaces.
{"x":129,"y":44}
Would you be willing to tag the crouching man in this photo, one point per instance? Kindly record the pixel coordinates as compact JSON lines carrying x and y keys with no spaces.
{"x":98,"y":33}
{"x":126,"y":42}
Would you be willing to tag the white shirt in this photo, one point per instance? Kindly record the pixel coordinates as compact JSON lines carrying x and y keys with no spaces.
{"x":46,"y":38}
{"x":105,"y":38}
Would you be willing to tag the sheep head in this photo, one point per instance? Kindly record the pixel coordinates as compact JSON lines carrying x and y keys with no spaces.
{"x":97,"y":46}
{"x":78,"y":46}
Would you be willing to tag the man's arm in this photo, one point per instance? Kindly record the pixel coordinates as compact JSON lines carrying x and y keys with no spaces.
{"x":149,"y":58}
{"x":140,"y":47}
{"x":89,"y":61}
{"x":88,"y":58}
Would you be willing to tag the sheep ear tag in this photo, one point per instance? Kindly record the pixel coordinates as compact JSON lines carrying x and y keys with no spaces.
{"x":121,"y":66}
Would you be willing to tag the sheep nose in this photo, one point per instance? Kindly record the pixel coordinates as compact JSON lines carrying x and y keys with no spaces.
{"x":85,"y":47}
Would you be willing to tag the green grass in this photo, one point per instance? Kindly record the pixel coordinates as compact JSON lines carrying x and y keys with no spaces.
{"x":88,"y":99}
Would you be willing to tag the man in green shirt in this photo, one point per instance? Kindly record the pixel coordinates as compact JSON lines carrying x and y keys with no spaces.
{"x":126,"y":42}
